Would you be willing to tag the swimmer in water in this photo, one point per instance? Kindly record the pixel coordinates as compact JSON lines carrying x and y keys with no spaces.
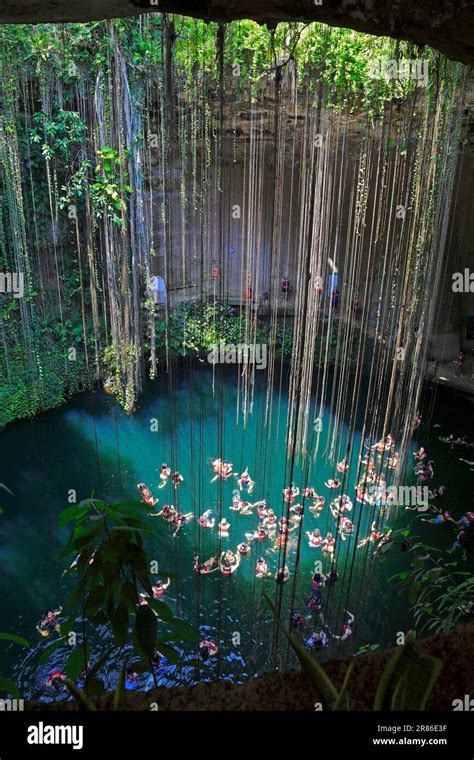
{"x":50,"y":622}
{"x":165,"y":473}
{"x":297,"y":511}
{"x":222,"y":469}
{"x":159,"y":589}
{"x":290,"y":493}
{"x":244,"y":549}
{"x":260,"y":534}
{"x":176,"y":479}
{"x":467,"y":520}
{"x":282,"y":575}
{"x":283,"y":530}
{"x":420,"y":455}
{"x":261,"y":568}
{"x":318,"y":581}
{"x":332,"y":483}
{"x":319,"y":640}
{"x":317,"y":506}
{"x":168,"y":513}
{"x":147,"y":496}
{"x":441,"y":517}
{"x":374,"y":536}
{"x":181,"y":519}
{"x":245,"y":481}
{"x":346,"y":628}
{"x":270,"y":519}
{"x":309,"y":493}
{"x":298,"y":621}
{"x":207,"y":649}
{"x":206,"y":521}
{"x":393,"y":461}
{"x":329,"y":544}
{"x":314,"y":538}
{"x":345,"y":527}
{"x":340,"y":505}
{"x":343,"y":467}
{"x":223,"y":528}
{"x":56,"y":680}
{"x":204,"y":568}
{"x":461,"y":542}
{"x":229,"y":562}
{"x":384,"y":543}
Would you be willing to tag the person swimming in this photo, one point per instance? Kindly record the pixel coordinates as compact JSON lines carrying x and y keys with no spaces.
{"x":298,"y":621}
{"x":346,"y":628}
{"x":314,"y":538}
{"x":223,"y":528}
{"x":345,"y":527}
{"x":56,"y":680}
{"x":245,"y":481}
{"x":329,"y":544}
{"x":176,"y":479}
{"x":206,"y":521}
{"x":270,"y":519}
{"x":420,"y":455}
{"x":261,"y":568}
{"x":319,"y":640}
{"x":179,"y":520}
{"x":204,"y":568}
{"x":49,"y":622}
{"x":340,"y":504}
{"x":462,"y":542}
{"x":342,"y":466}
{"x":222,"y":469}
{"x":244,"y":549}
{"x":467,"y":520}
{"x":440,"y":518}
{"x":309,"y":493}
{"x":297,"y":511}
{"x":168,"y":513}
{"x":159,"y":589}
{"x":332,"y":483}
{"x":374,"y":536}
{"x":208,"y":649}
{"x":229,"y":562}
{"x":147,"y":496}
{"x":282,"y":575}
{"x":259,"y":534}
{"x":290,"y":493}
{"x":317,"y":506}
{"x":165,"y":473}
{"x":318,"y":581}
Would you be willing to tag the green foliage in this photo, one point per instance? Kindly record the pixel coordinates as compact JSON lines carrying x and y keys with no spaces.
{"x":440,"y":593}
{"x":109,"y":191}
{"x":112,"y":582}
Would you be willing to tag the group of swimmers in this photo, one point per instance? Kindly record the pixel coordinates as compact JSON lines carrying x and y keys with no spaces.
{"x":463,"y":527}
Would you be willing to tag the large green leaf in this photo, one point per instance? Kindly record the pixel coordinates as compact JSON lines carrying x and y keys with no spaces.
{"x":146,"y":628}
{"x":16,"y":639}
{"x":6,"y":684}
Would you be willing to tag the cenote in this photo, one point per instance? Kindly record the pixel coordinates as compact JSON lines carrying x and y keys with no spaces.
{"x":92,"y":446}
{"x":172,"y":190}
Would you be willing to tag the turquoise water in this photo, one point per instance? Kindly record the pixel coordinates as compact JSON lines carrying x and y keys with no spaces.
{"x":90,"y":445}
